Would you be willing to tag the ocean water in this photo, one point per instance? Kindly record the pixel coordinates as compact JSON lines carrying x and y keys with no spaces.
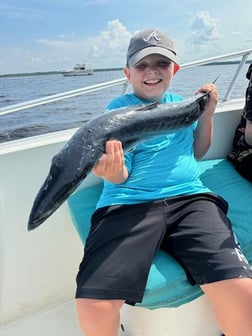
{"x":73,"y":112}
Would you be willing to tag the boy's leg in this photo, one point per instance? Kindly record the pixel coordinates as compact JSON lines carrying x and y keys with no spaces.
{"x":205,"y":245}
{"x":99,"y":317}
{"x":110,"y":273}
{"x":232,"y":303}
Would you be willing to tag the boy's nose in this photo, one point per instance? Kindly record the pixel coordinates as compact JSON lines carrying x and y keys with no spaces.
{"x":152,"y":67}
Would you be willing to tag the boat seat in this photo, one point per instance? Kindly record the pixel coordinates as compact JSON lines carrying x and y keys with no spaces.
{"x":167,"y":284}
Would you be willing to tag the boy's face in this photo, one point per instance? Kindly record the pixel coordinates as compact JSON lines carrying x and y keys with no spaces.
{"x":150,"y":77}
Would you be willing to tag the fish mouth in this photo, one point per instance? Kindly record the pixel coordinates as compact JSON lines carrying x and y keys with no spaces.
{"x":34,"y":222}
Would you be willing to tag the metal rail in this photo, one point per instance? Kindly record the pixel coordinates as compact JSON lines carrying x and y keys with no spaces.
{"x":123,"y":81}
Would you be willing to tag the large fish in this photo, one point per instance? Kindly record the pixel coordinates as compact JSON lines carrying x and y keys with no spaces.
{"x":130,"y":125}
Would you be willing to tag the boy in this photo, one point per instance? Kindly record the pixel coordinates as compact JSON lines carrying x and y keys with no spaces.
{"x":153,"y":198}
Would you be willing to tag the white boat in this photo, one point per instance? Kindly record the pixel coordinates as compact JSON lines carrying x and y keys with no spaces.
{"x":38,"y":268}
{"x":80,"y":69}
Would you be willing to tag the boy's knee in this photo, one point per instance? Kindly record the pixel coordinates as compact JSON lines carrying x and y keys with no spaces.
{"x":98,"y":317}
{"x":101,"y":307}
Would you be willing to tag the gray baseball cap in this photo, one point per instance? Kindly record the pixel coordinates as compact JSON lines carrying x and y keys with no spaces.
{"x":151,"y":41}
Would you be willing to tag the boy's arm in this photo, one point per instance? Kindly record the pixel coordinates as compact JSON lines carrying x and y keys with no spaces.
{"x":204,"y":130}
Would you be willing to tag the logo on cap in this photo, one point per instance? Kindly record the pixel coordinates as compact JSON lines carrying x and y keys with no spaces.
{"x":153,"y":35}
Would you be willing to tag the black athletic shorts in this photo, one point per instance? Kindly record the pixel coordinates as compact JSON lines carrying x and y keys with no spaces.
{"x":123,"y":240}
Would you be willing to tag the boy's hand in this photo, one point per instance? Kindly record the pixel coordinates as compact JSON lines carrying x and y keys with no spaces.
{"x":213,"y":98}
{"x":111,"y":165}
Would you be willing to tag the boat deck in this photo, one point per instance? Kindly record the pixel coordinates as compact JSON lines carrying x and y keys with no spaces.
{"x":61,"y":320}
{"x":56,"y":321}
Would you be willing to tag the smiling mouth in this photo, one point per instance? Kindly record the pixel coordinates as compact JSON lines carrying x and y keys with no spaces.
{"x":152,"y":81}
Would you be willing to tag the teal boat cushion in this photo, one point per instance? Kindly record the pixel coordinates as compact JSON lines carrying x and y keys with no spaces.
{"x":167,"y":284}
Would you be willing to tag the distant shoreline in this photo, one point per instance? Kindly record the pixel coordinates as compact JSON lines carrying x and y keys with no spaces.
{"x":52,"y":72}
{"x":104,"y":69}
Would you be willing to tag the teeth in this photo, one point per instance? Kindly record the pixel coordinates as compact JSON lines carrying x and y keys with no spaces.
{"x":152,"y":81}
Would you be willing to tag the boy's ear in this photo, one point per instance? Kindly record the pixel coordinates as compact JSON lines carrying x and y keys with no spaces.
{"x":175,"y":68}
{"x":127,"y":73}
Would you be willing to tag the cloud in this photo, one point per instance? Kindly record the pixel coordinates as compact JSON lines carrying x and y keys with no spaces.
{"x":205,"y":32}
{"x":107,"y":49}
{"x":235,"y":33}
{"x":110,"y":43}
{"x":14,"y":12}
{"x":81,"y":3}
{"x":88,"y":3}
{"x":55,"y":43}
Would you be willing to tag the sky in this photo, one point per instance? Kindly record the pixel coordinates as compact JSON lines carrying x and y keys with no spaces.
{"x":54,"y":35}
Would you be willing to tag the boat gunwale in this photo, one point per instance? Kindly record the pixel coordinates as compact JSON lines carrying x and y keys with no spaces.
{"x":64,"y":135}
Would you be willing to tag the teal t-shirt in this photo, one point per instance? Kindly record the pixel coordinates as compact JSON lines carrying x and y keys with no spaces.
{"x":161,"y":167}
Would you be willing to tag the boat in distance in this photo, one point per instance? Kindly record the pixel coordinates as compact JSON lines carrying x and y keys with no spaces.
{"x":80,"y":69}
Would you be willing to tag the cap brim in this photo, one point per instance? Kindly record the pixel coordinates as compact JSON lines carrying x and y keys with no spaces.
{"x":154,"y":50}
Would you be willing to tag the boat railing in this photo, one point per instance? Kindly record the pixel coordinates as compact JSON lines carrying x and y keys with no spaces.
{"x":123,"y":81}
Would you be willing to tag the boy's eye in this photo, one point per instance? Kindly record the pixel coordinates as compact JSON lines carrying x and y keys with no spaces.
{"x":141,"y":66}
{"x":164,"y":63}
{"x":161,"y":64}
